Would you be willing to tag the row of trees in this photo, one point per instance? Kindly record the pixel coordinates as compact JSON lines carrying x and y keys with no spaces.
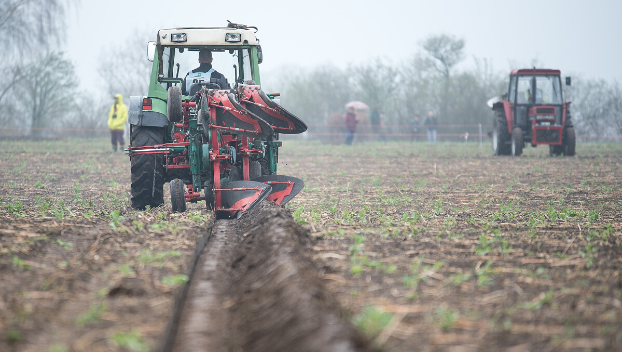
{"x":431,"y":81}
{"x":39,"y":87}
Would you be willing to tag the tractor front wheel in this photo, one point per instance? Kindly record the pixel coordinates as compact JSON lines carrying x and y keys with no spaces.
{"x":174,"y":110}
{"x":147,"y":169}
{"x":500,"y":136}
{"x":178,"y":196}
{"x":517,"y":141}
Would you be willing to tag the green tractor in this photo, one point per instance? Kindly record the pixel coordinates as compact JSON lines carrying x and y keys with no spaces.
{"x":200,"y":133}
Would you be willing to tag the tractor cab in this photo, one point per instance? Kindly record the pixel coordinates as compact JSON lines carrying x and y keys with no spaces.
{"x":536,"y":98}
{"x":532,"y":111}
{"x":235,"y":54}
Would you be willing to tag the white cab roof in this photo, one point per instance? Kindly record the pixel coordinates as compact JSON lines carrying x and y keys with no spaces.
{"x":207,"y":36}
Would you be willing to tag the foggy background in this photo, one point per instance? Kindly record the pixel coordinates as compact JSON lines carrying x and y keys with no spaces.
{"x":65,"y":59}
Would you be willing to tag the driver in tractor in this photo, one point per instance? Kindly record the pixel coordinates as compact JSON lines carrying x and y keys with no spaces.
{"x":525,"y":97}
{"x":203,"y":74}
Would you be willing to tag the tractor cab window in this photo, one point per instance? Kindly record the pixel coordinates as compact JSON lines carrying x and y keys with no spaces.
{"x":548,"y":90}
{"x":523,"y":90}
{"x":512,"y":92}
{"x":177,"y":62}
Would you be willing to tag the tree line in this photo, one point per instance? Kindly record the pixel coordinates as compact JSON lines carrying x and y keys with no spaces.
{"x":39,"y":87}
{"x":431,"y":81}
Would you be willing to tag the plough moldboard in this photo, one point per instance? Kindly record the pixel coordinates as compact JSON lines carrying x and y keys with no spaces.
{"x":226,"y":143}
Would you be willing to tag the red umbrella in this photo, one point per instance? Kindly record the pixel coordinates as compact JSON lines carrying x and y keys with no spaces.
{"x":357,"y":105}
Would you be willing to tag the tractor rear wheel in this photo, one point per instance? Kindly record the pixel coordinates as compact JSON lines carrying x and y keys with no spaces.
{"x":178,"y":196}
{"x":174,"y":110}
{"x":517,"y":141}
{"x":570,"y":142}
{"x":500,"y":135}
{"x":147,"y":169}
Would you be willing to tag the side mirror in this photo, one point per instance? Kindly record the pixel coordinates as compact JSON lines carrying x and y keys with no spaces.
{"x":151,"y":48}
{"x":568,"y":81}
{"x":259,"y":54}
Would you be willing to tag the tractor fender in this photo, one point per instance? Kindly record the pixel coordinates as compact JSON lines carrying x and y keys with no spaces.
{"x":138,"y":117}
{"x":509,"y":116}
{"x":506,"y":107}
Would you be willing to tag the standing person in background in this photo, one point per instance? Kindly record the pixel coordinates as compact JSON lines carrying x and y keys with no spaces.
{"x":350,"y":120}
{"x":415,"y":123}
{"x":431,"y":123}
{"x":117,"y":116}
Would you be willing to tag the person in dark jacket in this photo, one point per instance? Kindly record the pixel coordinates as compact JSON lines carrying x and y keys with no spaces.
{"x":350,"y":120}
{"x":205,"y":73}
{"x":431,"y":123}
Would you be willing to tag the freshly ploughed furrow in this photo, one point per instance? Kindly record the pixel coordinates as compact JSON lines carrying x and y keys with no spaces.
{"x":255,"y":289}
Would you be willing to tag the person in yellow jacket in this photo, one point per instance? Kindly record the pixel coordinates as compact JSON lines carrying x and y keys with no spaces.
{"x":116,"y":122}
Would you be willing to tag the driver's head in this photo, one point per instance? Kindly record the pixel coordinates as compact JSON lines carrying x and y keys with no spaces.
{"x":205,"y":56}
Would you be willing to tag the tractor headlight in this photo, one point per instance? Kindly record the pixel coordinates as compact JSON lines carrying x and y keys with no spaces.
{"x":233,"y":37}
{"x":178,"y":37}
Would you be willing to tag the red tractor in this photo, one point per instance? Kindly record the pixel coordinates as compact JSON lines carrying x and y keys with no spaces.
{"x":533,"y":111}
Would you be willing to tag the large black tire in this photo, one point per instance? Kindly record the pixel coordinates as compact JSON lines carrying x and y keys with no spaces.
{"x":201,"y":120}
{"x":500,"y":135}
{"x":570,"y":142}
{"x":174,"y":110}
{"x":556,"y":150}
{"x":178,"y":196}
{"x":147,"y":170}
{"x":517,"y":142}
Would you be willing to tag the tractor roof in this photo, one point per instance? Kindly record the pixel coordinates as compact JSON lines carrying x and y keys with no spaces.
{"x":538,"y":72}
{"x":207,"y":36}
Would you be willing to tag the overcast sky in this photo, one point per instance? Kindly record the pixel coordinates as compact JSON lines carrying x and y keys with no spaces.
{"x":578,"y":37}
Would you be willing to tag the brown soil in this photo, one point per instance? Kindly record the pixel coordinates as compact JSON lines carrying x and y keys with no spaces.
{"x":463,"y":251}
{"x":426,"y":248}
{"x":75,"y":277}
{"x":256,"y":290}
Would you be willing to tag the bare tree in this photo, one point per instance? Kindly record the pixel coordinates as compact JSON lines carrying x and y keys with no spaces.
{"x":376,"y":84}
{"x":27,"y":26}
{"x":317,"y":93}
{"x":446,"y":52}
{"x":48,"y":91}
{"x":125,"y":69}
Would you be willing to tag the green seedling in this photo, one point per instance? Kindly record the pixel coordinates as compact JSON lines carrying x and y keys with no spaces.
{"x":91,"y":316}
{"x":446,"y":318}
{"x":589,"y":253}
{"x":175,"y":280}
{"x":66,"y":245}
{"x":132,"y":341}
{"x":372,"y":321}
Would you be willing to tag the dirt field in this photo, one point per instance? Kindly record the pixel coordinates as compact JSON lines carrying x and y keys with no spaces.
{"x":446,"y":248}
{"x":425,"y":247}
